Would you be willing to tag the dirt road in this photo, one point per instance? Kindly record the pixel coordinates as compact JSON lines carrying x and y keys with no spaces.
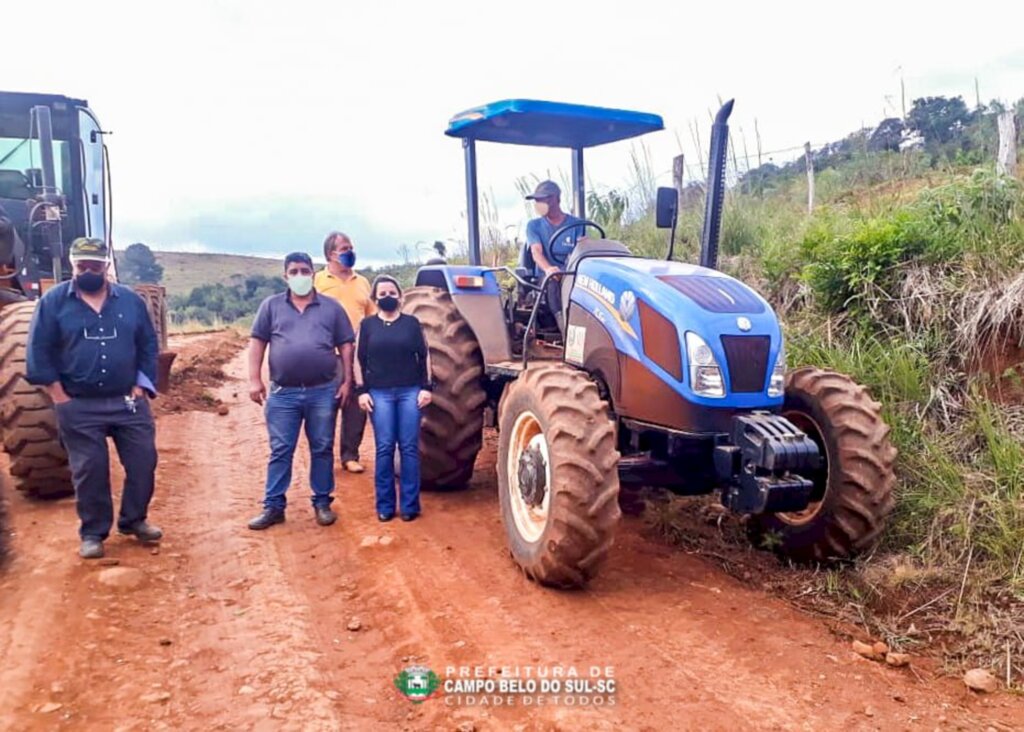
{"x":232,"y":629}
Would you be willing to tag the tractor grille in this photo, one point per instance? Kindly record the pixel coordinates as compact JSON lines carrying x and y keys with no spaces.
{"x":716,"y":294}
{"x":747,"y":360}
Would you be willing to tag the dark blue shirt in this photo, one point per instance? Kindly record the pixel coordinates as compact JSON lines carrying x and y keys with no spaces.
{"x":303,"y":346}
{"x":91,"y":354}
{"x":539,"y":231}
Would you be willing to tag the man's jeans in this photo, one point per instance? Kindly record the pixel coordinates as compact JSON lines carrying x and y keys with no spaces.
{"x":353,"y":423}
{"x":84,"y":425}
{"x":287,"y":408}
{"x":396,"y":422}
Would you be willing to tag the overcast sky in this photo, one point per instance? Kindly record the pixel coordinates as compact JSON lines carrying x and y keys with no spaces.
{"x":255,"y":128}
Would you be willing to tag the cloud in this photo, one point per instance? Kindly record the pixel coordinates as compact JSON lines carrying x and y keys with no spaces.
{"x":265,"y":227}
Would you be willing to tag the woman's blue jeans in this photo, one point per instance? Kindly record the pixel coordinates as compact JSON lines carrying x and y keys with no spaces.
{"x":396,"y":424}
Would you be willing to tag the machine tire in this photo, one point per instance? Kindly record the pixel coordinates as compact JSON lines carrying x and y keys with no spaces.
{"x":853,"y":488}
{"x":452,"y":430}
{"x":28,"y":423}
{"x":563,"y":411}
{"x":3,"y":518}
{"x":155,"y":297}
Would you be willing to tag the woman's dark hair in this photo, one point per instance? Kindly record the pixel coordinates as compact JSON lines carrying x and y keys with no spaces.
{"x":384,"y":278}
{"x":329,"y":242}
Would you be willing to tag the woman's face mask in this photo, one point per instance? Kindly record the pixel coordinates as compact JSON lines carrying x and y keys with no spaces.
{"x":541,"y":207}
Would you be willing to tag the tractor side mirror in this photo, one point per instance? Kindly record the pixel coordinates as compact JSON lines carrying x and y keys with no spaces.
{"x":665,"y":208}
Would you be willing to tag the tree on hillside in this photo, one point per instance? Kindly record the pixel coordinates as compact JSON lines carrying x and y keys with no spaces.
{"x":939,"y":120}
{"x":138,"y":264}
{"x":887,"y":136}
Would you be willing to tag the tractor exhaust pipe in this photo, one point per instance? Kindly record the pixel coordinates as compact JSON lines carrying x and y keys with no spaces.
{"x":714,"y":197}
{"x":40,"y":122}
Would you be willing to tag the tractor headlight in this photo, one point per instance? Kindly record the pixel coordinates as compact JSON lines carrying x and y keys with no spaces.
{"x":777,"y":384}
{"x":705,"y":374}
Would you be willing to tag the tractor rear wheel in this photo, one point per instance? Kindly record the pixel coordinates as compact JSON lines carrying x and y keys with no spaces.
{"x":558,"y":480}
{"x":452,"y":431}
{"x":853,"y":488}
{"x":28,"y":423}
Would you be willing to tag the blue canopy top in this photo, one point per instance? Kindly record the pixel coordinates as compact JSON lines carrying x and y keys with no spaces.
{"x":550,"y":124}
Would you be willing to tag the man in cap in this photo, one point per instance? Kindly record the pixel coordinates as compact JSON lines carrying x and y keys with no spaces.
{"x":310,"y":341}
{"x":92,"y":345}
{"x":551,"y":256}
{"x":351,"y":290}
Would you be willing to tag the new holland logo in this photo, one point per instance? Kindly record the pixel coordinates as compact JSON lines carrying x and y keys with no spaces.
{"x":417,"y":683}
{"x":743,"y":323}
{"x":627,"y":304}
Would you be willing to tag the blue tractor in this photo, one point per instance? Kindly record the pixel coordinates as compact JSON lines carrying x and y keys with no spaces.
{"x":667,"y":374}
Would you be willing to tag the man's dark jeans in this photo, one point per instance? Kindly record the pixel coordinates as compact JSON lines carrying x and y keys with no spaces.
{"x":84,"y":425}
{"x":287,"y":409}
{"x":353,"y":425}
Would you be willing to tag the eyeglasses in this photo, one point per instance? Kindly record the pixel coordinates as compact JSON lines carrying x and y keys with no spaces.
{"x":98,"y":335}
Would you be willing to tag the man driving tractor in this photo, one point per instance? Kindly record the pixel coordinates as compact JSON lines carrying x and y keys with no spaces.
{"x":551,"y":256}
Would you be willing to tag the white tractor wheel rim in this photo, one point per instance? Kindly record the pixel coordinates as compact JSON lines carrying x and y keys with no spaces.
{"x":530,"y":521}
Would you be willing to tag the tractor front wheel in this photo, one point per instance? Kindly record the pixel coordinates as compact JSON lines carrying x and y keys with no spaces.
{"x":558,"y":478}
{"x":853,"y":488}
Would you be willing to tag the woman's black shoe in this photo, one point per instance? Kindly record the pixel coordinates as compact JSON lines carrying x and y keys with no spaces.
{"x":385,"y":517}
{"x":409,"y":516}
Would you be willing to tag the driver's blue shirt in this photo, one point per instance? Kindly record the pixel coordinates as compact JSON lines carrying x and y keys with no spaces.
{"x":539,"y":231}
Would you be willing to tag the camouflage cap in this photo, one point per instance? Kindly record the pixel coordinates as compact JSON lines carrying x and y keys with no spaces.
{"x":87,"y":249}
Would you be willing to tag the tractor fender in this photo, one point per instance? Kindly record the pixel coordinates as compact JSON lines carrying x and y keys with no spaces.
{"x":479,"y":304}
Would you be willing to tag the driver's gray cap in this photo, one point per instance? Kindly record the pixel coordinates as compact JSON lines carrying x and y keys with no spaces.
{"x":545,"y":189}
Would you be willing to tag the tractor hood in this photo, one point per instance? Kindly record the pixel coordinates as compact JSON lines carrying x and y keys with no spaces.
{"x":649,"y":306}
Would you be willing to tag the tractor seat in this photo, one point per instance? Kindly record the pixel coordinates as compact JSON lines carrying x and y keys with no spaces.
{"x":589,"y":248}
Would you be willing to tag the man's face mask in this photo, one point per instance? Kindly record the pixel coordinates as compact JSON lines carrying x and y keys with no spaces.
{"x":347,"y":259}
{"x":300,"y":284}
{"x":90,"y":276}
{"x":541,"y":207}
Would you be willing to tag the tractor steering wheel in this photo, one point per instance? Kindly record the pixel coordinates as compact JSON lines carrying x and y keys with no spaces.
{"x":565,"y":227}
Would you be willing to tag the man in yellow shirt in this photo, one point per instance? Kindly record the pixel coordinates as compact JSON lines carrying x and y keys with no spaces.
{"x":342,"y":283}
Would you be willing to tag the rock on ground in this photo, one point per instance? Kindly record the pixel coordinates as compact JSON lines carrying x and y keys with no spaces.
{"x":122,"y":578}
{"x":980,"y":679}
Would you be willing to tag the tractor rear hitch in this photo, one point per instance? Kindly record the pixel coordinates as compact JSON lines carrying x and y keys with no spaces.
{"x":761,"y":468}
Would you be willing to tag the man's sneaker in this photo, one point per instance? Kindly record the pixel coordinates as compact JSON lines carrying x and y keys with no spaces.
{"x":91,"y":549}
{"x":353,"y":466}
{"x":325,"y":516}
{"x":268,"y":518}
{"x":141,"y":531}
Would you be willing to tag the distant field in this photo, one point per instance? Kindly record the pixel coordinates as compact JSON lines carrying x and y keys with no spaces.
{"x":184,"y":271}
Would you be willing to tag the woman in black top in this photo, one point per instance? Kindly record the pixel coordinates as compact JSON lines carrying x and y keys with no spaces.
{"x":393,"y":378}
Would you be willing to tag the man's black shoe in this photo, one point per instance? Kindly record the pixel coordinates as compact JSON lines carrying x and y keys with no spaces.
{"x":409,"y":516}
{"x":325,"y":516}
{"x":268,"y":518}
{"x":141,"y":531}
{"x":385,"y":517}
{"x":91,"y":548}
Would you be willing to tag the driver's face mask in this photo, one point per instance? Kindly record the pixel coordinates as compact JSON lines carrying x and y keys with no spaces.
{"x":541,"y":207}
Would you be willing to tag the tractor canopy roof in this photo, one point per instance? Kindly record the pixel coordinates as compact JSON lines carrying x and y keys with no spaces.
{"x":550,"y":124}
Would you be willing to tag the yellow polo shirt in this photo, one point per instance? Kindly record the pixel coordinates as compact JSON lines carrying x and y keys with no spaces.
{"x":352,"y":294}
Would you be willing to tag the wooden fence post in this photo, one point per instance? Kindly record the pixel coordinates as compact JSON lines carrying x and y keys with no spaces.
{"x":810,"y":178}
{"x":1006,"y":163}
